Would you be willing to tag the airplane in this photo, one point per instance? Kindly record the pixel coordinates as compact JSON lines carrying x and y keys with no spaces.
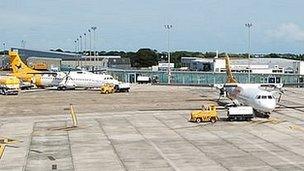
{"x":61,"y":80}
{"x":262,"y":101}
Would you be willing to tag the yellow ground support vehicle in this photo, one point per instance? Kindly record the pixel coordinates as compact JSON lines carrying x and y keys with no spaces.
{"x":208,"y":113}
{"x":9,"y":85}
{"x":107,"y":88}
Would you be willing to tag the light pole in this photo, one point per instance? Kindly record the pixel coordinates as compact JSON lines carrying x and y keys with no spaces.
{"x":23,"y":44}
{"x":168,"y":28}
{"x":3,"y":48}
{"x":214,"y":61}
{"x":249,"y":25}
{"x":90,"y":41}
{"x":85,"y":43}
{"x":94,"y":39}
{"x":78,"y":45}
{"x":75,"y":49}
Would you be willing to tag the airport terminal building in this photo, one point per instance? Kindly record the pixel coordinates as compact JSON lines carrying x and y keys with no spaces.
{"x":57,"y":60}
{"x":198,"y":70}
{"x":254,"y":65}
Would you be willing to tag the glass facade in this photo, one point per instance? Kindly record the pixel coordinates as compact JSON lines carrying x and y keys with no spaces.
{"x":204,"y":78}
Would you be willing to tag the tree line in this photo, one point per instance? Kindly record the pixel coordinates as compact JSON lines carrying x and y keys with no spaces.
{"x":146,"y":57}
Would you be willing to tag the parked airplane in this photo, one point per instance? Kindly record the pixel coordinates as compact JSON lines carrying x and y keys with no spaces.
{"x":61,"y":80}
{"x":261,"y":100}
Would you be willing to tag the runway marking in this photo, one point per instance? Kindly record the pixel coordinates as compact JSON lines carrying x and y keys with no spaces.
{"x":296,"y":127}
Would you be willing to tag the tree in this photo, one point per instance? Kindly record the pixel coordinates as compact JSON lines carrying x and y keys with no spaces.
{"x":146,"y":57}
{"x":59,"y":50}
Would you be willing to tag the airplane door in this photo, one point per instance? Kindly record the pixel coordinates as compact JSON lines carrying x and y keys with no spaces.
{"x":278,"y":79}
{"x":271,"y":80}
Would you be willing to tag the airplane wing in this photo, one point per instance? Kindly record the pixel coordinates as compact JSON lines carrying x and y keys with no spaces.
{"x":221,"y":86}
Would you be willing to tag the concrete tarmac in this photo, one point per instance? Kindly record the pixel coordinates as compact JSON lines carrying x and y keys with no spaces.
{"x":146,"y":129}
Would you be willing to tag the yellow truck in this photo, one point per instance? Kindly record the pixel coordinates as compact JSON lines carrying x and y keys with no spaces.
{"x":9,"y":85}
{"x":107,"y":88}
{"x":207,"y":114}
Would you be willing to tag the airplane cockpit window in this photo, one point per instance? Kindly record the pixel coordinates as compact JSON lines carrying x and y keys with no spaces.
{"x":269,"y":97}
{"x":264,"y":97}
{"x":258,"y":97}
{"x":79,"y":72}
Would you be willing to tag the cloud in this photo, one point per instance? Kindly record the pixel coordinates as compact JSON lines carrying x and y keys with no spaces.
{"x":288,"y":32}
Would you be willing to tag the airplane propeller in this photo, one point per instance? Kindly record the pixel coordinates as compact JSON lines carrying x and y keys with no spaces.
{"x":281,"y":92}
{"x":222,"y":93}
{"x":67,"y":77}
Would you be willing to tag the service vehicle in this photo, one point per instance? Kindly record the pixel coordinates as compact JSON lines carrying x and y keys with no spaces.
{"x":9,"y":85}
{"x":107,"y":88}
{"x":240,"y":113}
{"x":123,"y":87}
{"x":143,"y":79}
{"x":207,"y":114}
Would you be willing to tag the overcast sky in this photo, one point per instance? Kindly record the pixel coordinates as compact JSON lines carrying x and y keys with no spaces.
{"x":198,"y":25}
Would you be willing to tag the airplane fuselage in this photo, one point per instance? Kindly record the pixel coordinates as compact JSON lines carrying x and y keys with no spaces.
{"x":76,"y":79}
{"x":251,"y":95}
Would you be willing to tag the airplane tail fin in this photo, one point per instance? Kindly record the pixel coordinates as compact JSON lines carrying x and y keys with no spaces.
{"x":230,"y":78}
{"x":17,"y":64}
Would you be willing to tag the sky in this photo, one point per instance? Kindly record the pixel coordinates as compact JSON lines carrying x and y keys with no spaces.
{"x":128,"y":25}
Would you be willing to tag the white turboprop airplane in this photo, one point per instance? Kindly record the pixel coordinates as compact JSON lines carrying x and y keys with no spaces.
{"x":261,"y":100}
{"x":79,"y":79}
{"x":70,"y":80}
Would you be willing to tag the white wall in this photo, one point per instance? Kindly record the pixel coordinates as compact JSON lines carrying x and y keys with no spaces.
{"x":301,"y":68}
{"x":218,"y":64}
{"x":261,"y":71}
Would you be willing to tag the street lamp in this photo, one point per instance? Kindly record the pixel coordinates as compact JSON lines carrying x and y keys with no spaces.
{"x":85,"y":43}
{"x":23,"y":44}
{"x":214,"y":62}
{"x":249,"y":25}
{"x":3,"y":48}
{"x":94,"y":39}
{"x":75,"y":48}
{"x":90,"y":41}
{"x":168,"y":28}
{"x":78,"y":45}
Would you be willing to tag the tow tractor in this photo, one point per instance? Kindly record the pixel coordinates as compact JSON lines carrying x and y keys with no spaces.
{"x":207,"y":114}
{"x":107,"y":88}
{"x":9,"y":85}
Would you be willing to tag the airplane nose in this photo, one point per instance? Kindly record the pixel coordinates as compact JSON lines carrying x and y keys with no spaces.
{"x":270,"y":106}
